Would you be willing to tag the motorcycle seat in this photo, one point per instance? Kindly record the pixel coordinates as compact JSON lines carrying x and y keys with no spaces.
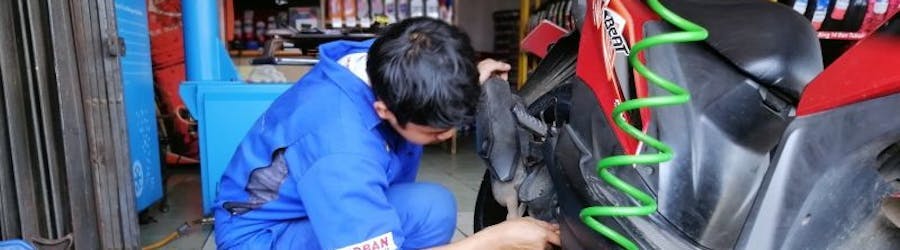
{"x":768,"y":41}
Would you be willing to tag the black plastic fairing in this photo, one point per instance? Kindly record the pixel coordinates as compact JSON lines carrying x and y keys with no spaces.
{"x":825,"y":189}
{"x":721,"y":138}
{"x":580,"y":145}
{"x":770,"y":42}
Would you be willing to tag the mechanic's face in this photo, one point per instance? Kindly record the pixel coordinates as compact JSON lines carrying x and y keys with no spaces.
{"x":415,"y":133}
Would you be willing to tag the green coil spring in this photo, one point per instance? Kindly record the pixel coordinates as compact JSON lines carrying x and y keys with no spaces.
{"x":691,"y":33}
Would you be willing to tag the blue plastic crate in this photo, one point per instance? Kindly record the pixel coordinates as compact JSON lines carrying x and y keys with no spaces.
{"x":15,"y":245}
{"x":225,"y":111}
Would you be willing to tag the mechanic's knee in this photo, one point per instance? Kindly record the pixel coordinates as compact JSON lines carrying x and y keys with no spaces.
{"x":428,"y":212}
{"x":441,"y":203}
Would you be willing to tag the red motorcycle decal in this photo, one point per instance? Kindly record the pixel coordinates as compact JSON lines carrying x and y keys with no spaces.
{"x":866,"y":71}
{"x":613,"y":27}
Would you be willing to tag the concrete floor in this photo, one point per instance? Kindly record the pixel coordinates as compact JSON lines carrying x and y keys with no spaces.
{"x":461,"y":173}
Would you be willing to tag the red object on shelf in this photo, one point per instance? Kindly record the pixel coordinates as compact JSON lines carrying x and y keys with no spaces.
{"x":538,"y":41}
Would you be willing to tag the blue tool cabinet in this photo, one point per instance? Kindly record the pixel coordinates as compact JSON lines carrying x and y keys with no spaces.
{"x":140,"y":105}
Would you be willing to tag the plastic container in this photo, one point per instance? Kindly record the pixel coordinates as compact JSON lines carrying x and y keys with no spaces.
{"x":225,"y":111}
{"x":15,"y":245}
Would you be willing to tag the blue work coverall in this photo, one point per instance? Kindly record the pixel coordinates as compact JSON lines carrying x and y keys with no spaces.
{"x":320,"y":170}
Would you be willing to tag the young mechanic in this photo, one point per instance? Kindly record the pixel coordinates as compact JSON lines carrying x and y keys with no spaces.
{"x":332,"y":163}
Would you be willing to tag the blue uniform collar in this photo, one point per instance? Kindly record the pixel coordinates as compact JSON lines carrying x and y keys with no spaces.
{"x":360,"y":93}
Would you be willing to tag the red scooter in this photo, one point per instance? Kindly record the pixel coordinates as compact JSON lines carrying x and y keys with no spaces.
{"x":773,"y":151}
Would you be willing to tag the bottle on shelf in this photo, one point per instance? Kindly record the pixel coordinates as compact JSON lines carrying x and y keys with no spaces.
{"x":261,"y":32}
{"x":250,"y":41}
{"x":350,"y":14}
{"x":335,"y":13}
{"x":402,"y":10}
{"x":237,"y":42}
{"x":432,"y":9}
{"x":416,"y":8}
{"x":390,"y":9}
{"x":363,"y":13}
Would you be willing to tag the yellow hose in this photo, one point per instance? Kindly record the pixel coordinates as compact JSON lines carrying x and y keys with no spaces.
{"x":165,"y":241}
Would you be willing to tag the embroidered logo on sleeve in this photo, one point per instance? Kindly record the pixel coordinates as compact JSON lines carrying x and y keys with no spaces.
{"x":381,"y":242}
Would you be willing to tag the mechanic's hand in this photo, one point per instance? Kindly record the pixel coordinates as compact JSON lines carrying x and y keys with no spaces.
{"x":523,"y":233}
{"x":490,"y":67}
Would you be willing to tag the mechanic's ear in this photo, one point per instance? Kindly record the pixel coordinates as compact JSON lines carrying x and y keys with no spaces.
{"x":382,"y":111}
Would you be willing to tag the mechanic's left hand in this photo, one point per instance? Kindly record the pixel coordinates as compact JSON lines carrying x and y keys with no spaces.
{"x":490,"y":67}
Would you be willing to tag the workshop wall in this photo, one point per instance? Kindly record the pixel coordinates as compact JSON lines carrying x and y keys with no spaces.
{"x":476,"y":18}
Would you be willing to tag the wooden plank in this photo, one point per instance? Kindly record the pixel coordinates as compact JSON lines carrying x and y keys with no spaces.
{"x":107,"y":103}
{"x":82,"y":212}
{"x":17,"y":128}
{"x":9,"y":215}
{"x":46,"y":112}
{"x":63,"y":150}
{"x":123,"y":171}
{"x":63,"y":146}
{"x":106,"y":153}
{"x":38,"y":113}
{"x":87,"y":48}
{"x":10,"y":78}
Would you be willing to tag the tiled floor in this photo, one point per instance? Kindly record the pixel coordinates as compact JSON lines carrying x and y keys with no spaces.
{"x":185,"y":205}
{"x":461,"y":173}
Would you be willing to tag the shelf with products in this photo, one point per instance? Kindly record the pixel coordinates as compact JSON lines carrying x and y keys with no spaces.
{"x":297,"y":44}
{"x":531,"y":13}
{"x":249,"y":24}
{"x":506,"y":39}
{"x":557,"y":11}
{"x":256,"y":53}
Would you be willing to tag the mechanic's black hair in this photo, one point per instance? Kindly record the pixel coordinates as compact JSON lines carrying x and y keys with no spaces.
{"x":424,"y":71}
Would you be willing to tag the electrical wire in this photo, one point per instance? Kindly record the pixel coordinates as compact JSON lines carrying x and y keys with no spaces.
{"x":691,"y":33}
